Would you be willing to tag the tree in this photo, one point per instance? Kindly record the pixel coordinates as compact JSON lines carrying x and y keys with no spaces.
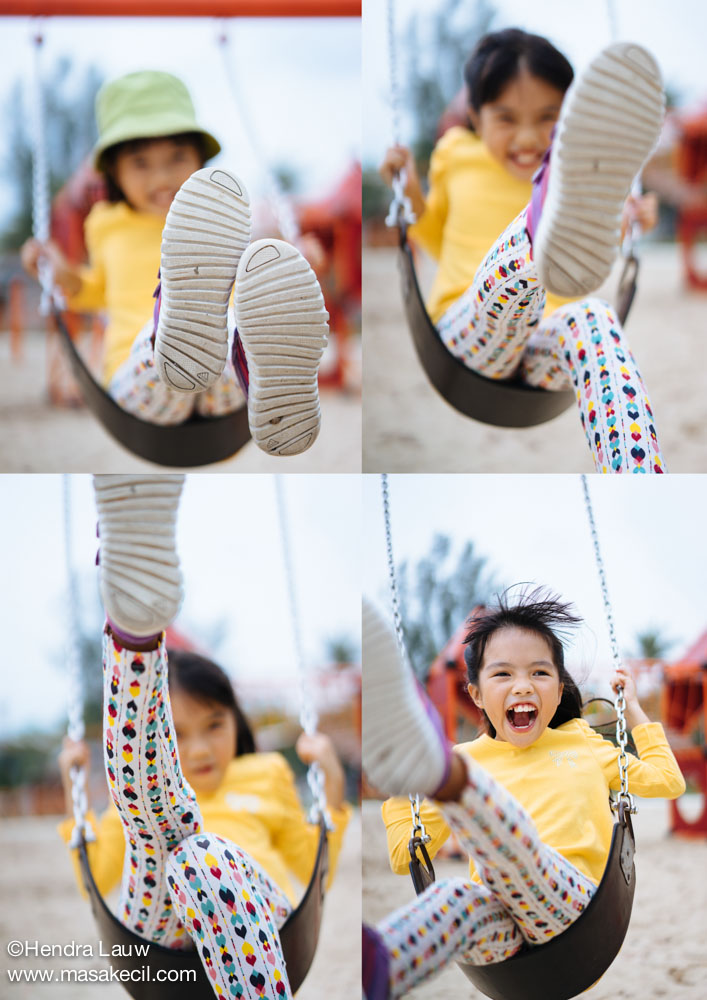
{"x":437,"y":46}
{"x":436,"y":597}
{"x":652,"y":644}
{"x":69,"y":134}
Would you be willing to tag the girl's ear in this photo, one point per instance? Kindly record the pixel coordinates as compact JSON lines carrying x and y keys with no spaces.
{"x":475,"y":695}
{"x":562,"y":688}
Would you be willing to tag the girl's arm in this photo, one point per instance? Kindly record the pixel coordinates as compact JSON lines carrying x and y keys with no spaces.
{"x":65,"y":274}
{"x":399,"y":158}
{"x":320,"y":748}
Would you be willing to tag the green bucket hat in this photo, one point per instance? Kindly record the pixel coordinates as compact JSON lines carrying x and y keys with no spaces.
{"x":143,"y":105}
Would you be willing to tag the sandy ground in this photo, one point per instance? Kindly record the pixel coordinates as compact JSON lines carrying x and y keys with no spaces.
{"x":664,"y":952}
{"x":38,"y":881}
{"x":36,"y":437}
{"x":408,"y":427}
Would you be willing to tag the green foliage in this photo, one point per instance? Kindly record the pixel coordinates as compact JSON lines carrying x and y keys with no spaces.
{"x":652,"y":644}
{"x":69,"y":135}
{"x":375,"y":193}
{"x":436,"y":46}
{"x":342,"y":649}
{"x":436,"y":596}
{"x":28,"y":758}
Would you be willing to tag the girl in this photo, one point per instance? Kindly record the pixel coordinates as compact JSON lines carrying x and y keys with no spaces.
{"x":205,"y":829}
{"x":528,"y":801}
{"x":490,"y":306}
{"x":152,"y":153}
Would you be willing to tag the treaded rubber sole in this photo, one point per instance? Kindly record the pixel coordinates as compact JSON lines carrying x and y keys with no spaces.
{"x":282,"y":324}
{"x":139,"y":576}
{"x":609,"y":123}
{"x":207,"y":230}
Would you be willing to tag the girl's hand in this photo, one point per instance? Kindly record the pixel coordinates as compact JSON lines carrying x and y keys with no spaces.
{"x":64,"y":274}
{"x":399,"y":158}
{"x":73,"y":754}
{"x":634,"y":713}
{"x":642,"y":210}
{"x":320,"y":748}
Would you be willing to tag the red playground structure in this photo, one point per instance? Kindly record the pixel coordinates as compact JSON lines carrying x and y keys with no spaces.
{"x":684,"y":711}
{"x":691,"y":163}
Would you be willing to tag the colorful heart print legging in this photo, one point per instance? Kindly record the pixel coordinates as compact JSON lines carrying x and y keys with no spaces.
{"x":529,"y":892}
{"x":497,"y":328}
{"x":181,"y":883}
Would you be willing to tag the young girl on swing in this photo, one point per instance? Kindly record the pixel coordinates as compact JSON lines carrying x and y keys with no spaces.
{"x":152,"y":153}
{"x":528,"y":801}
{"x":205,"y":830}
{"x":559,"y":235}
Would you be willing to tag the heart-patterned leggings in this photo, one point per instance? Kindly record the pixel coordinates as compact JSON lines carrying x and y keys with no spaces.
{"x":497,"y":328}
{"x":180,"y":883}
{"x":529,"y":891}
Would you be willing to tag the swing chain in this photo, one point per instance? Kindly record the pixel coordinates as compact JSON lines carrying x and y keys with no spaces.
{"x":620,"y":703}
{"x":418,"y":827}
{"x":400,"y":207}
{"x":308,"y":714}
{"x":82,"y":828}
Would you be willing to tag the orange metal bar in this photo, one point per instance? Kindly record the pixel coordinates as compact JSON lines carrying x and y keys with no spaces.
{"x":181,"y":8}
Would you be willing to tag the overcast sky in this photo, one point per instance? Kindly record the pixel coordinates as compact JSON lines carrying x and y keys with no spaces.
{"x":299,"y":80}
{"x":229,"y":543}
{"x":534,"y":528}
{"x":675,"y":33}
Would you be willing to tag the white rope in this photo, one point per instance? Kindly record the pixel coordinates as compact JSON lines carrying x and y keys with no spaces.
{"x":73,"y":664}
{"x":308,"y":714}
{"x":280,"y":203}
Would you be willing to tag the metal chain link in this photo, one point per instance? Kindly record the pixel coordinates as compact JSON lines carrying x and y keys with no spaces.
{"x":82,"y":826}
{"x":620,"y":702}
{"x":401,"y":206}
{"x":417,"y":823}
{"x":308,"y":714}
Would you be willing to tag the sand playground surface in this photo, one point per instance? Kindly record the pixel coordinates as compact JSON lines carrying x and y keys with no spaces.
{"x":408,"y":427}
{"x":664,"y":953}
{"x":46,"y":907}
{"x":38,"y":437}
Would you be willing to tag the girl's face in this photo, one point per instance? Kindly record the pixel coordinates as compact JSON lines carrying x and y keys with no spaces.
{"x":519,"y":685}
{"x":516,"y":127}
{"x":150,"y":176}
{"x":206,"y":739}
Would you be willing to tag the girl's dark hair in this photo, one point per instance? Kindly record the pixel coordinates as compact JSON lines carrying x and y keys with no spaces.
{"x":114,"y":193}
{"x":204,"y":680}
{"x":537,"y":611}
{"x":498,"y":58}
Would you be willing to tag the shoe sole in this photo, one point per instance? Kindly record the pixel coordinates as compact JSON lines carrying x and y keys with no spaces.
{"x":282,"y":323}
{"x":140,"y":579}
{"x":609,"y":124}
{"x":207,"y":230}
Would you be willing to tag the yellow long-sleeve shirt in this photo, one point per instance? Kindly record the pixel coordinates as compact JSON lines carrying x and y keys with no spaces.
{"x":124,"y":258}
{"x":563,"y":781}
{"x":256,"y":807}
{"x":471,"y":200}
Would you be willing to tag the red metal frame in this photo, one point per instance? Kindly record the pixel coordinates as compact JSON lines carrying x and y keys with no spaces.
{"x":181,"y":8}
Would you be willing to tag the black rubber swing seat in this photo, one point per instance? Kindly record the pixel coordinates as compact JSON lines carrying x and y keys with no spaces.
{"x":197,"y":441}
{"x":570,"y":963}
{"x":298,"y":935}
{"x":500,"y":402}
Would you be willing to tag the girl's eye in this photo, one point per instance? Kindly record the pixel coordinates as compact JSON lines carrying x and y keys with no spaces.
{"x":215,"y":725}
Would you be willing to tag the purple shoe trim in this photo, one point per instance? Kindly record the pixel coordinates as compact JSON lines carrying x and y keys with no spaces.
{"x":126,"y":639}
{"x":434,"y":717}
{"x":157,"y":295}
{"x":240,"y":363}
{"x":541,"y":178}
{"x":376,"y":964}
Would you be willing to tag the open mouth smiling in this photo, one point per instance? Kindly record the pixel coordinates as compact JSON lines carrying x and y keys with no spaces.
{"x":521,"y":717}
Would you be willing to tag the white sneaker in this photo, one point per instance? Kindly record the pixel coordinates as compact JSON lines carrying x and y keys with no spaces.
{"x":610,"y":122}
{"x":207,"y":230}
{"x":282,"y":326}
{"x":139,"y":576}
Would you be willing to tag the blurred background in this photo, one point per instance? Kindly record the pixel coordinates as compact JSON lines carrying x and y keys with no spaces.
{"x":236,"y":611}
{"x":431,"y":44}
{"x":282,"y":95}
